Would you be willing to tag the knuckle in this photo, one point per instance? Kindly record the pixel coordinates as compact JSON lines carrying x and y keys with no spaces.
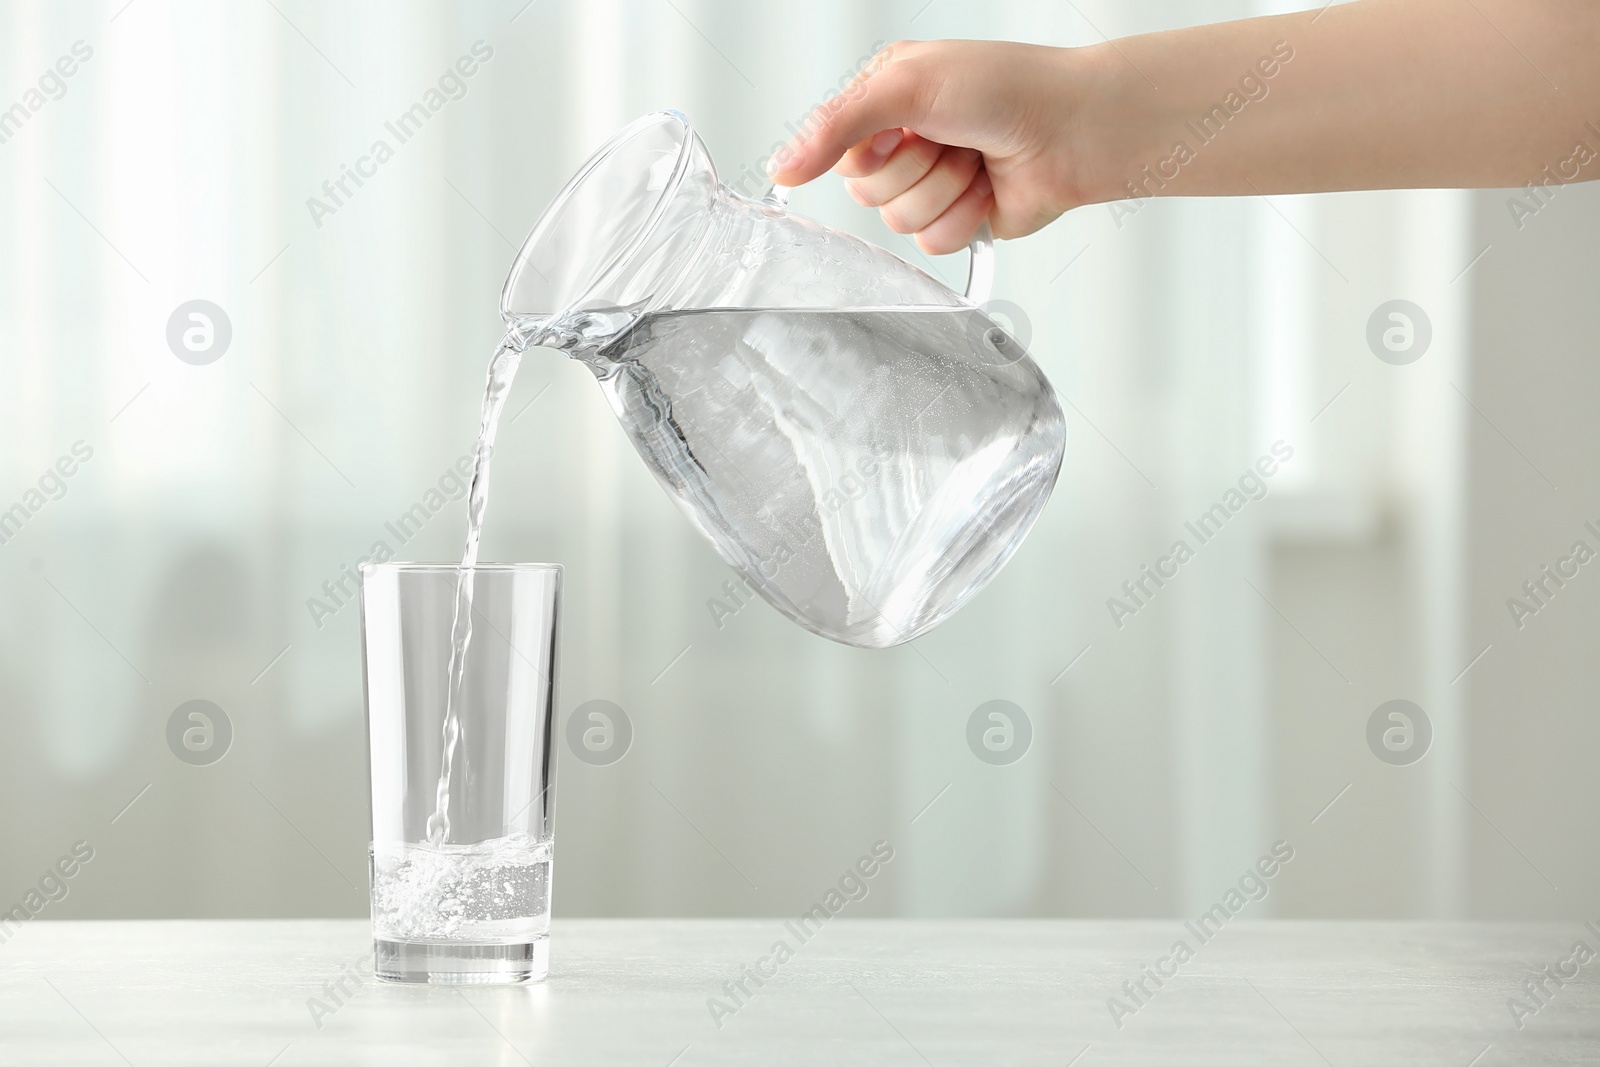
{"x":905,"y":73}
{"x":900,"y":78}
{"x":891,"y":52}
{"x":880,"y":61}
{"x":895,"y":220}
{"x":922,"y":155}
{"x":862,"y":191}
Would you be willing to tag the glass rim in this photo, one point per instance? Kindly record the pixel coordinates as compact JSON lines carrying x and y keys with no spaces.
{"x":457,"y":567}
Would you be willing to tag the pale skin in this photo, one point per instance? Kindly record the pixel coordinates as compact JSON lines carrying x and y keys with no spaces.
{"x":1378,"y":94}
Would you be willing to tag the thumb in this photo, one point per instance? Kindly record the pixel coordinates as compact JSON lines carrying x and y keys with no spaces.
{"x":885,"y":95}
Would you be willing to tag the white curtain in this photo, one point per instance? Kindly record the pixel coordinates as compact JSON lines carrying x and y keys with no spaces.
{"x":187,"y":159}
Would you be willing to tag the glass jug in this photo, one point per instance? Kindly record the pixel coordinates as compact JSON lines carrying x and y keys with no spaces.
{"x":864,"y":446}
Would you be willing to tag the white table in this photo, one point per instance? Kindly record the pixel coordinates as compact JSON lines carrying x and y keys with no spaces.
{"x":881,"y":992}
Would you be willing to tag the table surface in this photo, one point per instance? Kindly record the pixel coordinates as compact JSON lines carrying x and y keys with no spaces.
{"x":869,"y":992}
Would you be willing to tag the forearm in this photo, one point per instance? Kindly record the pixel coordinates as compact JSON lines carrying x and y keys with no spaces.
{"x":1372,"y":94}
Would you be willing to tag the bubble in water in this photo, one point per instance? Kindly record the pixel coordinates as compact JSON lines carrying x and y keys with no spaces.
{"x":493,"y":891}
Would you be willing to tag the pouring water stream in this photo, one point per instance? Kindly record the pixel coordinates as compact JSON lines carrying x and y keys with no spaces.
{"x":502,"y":372}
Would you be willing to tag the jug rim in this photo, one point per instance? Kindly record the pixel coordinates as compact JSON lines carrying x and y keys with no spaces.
{"x":685,"y":135}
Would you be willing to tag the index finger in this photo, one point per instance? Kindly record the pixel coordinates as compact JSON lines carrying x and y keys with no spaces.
{"x":887,"y":97}
{"x":868,"y":157}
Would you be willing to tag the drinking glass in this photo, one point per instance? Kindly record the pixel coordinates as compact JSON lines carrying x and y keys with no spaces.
{"x":463,"y":897}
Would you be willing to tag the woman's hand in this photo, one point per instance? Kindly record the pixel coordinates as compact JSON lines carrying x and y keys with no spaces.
{"x":1377,"y":94}
{"x":940,"y":135}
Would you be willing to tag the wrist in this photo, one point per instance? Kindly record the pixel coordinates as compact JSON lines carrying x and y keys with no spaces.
{"x":1115,"y":125}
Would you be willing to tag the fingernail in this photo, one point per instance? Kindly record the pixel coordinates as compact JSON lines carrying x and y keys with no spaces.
{"x":983,"y":184}
{"x":886,"y":141}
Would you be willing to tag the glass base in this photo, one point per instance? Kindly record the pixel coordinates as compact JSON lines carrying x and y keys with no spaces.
{"x":442,"y":963}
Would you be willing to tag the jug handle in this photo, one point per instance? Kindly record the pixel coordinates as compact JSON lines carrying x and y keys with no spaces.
{"x":980,"y":268}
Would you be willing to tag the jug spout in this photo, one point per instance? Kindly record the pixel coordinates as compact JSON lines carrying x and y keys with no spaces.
{"x":525,"y":332}
{"x":620,"y":232}
{"x":580,"y":334}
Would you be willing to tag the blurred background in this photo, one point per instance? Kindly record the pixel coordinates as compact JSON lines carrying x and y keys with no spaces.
{"x":185,"y":556}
